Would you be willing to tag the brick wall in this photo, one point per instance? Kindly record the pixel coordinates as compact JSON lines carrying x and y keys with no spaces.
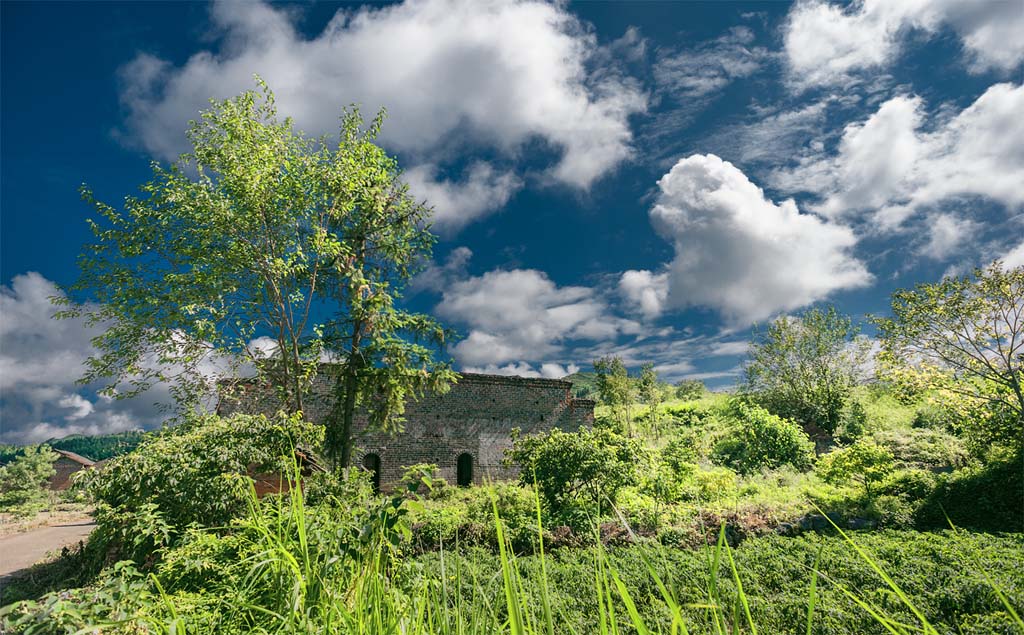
{"x":475,"y":417}
{"x":65,"y":467}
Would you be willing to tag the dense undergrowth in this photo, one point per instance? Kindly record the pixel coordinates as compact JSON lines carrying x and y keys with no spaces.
{"x":716,"y":523}
{"x":291,"y":566}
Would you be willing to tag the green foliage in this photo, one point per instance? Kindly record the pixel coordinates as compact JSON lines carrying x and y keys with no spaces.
{"x":614,"y":385}
{"x":246,"y":235}
{"x":963,"y":338}
{"x":466,"y":517}
{"x":805,"y":368}
{"x":865,"y":462}
{"x":338,"y":566}
{"x":983,"y":498}
{"x":24,"y":481}
{"x":925,"y":449}
{"x":100,"y":447}
{"x":570,"y":467}
{"x":584,"y":385}
{"x":761,"y":440}
{"x":230,"y":241}
{"x":196,"y":473}
{"x":690,"y":389}
{"x":854,"y":422}
{"x":422,"y":479}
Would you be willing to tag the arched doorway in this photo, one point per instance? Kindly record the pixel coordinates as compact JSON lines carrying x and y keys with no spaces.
{"x":464,"y":470}
{"x":371,"y":463}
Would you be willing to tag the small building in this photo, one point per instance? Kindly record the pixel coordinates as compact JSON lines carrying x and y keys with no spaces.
{"x":465,"y":432}
{"x":67,"y":463}
{"x":276,"y":482}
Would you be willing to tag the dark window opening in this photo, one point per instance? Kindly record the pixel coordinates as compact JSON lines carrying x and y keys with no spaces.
{"x":371,"y":463}
{"x":464,"y":470}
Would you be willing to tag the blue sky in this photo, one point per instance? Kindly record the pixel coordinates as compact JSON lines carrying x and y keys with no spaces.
{"x":647,"y":179}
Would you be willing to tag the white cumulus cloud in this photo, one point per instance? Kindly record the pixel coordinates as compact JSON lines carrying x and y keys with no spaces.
{"x":826,"y":43}
{"x":40,"y":361}
{"x":494,"y":74}
{"x":457,"y":203}
{"x":896,"y":163}
{"x":520,"y":316}
{"x":738,"y":252}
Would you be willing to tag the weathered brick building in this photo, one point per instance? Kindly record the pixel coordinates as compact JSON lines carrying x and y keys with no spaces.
{"x":465,"y":431}
{"x":67,"y":463}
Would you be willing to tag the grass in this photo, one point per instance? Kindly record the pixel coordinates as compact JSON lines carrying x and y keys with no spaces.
{"x":290,"y":568}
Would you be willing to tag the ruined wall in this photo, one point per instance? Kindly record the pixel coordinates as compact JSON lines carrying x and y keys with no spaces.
{"x":475,"y":417}
{"x":64,"y":468}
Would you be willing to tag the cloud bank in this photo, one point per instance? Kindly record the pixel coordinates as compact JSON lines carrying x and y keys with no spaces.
{"x":826,"y":43}
{"x":40,"y":361}
{"x":494,"y":75}
{"x":897,"y":162}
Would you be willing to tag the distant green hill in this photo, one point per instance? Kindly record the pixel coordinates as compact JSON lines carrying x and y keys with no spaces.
{"x":584,"y":385}
{"x":97,"y":448}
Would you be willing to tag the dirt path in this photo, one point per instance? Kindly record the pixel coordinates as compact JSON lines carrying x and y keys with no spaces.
{"x":20,"y":551}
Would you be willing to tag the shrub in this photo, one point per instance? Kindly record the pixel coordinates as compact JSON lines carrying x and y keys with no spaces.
{"x":896,"y":512}
{"x":690,"y":389}
{"x":987,"y":498}
{"x":853,"y":424}
{"x":924,"y":449}
{"x":467,"y":517}
{"x":23,"y":481}
{"x":196,"y":473}
{"x":864,"y":462}
{"x":591,"y":465}
{"x":935,"y":417}
{"x":912,"y":484}
{"x":422,"y":480}
{"x":711,"y":485}
{"x":763,"y":441}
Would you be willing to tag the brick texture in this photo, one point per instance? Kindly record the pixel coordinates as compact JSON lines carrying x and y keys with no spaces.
{"x":475,"y":417}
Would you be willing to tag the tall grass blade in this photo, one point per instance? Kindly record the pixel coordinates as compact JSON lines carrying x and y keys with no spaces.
{"x":812,"y":599}
{"x":925,"y":624}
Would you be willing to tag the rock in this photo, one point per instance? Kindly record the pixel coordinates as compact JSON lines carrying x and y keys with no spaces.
{"x":817,"y":522}
{"x":861,"y":523}
{"x":787,"y":529}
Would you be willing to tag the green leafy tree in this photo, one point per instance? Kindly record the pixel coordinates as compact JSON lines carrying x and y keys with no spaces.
{"x":762,"y":440}
{"x":649,"y":391}
{"x":805,"y":368}
{"x":614,"y":386}
{"x":963,"y":339}
{"x":384,"y":354}
{"x":568,"y":467}
{"x":247,"y":238}
{"x":24,"y":481}
{"x":865,"y":462}
{"x":230,"y":242}
{"x":690,"y":389}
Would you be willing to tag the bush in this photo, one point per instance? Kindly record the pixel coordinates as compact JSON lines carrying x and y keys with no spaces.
{"x":864,"y":462}
{"x":988,"y":498}
{"x":196,"y":474}
{"x":590,"y":465}
{"x":690,"y":389}
{"x":924,"y":449}
{"x":853,"y":424}
{"x":466,"y":517}
{"x":763,"y":441}
{"x":912,"y":484}
{"x":934,"y":417}
{"x":23,"y":481}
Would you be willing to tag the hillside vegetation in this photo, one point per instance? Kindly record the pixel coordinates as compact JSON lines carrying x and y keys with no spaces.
{"x":846,"y":485}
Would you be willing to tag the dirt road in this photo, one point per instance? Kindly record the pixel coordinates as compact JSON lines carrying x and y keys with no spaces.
{"x":20,"y":551}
